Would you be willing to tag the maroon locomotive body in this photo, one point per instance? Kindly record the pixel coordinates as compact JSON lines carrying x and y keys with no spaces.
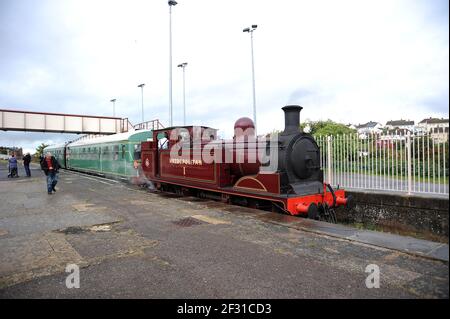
{"x":192,"y":160}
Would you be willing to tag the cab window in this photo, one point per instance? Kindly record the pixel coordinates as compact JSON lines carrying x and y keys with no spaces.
{"x":163,"y":141}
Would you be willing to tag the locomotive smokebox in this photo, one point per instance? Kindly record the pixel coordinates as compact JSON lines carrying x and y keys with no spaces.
{"x":291,"y":118}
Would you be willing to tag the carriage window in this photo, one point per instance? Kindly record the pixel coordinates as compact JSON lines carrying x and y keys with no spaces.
{"x":137,"y":152}
{"x":116,"y":152}
{"x":123,"y":151}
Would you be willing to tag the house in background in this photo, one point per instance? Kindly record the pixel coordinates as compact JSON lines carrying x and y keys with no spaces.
{"x":369,"y":128}
{"x":8,"y":151}
{"x":403,"y":125}
{"x":427,"y":125}
{"x":439,"y":134}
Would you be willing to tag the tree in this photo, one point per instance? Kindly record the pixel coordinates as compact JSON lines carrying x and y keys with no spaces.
{"x":327,"y":128}
{"x":322,"y":128}
{"x":40,"y":150}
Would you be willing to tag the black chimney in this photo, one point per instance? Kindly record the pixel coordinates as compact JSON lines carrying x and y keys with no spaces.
{"x":291,"y":118}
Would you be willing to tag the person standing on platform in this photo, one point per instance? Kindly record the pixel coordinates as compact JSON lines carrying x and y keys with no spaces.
{"x":26,"y":164}
{"x":50,"y":166}
{"x":12,"y":164}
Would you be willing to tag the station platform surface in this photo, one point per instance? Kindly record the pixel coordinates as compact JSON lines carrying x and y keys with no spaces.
{"x":131,"y":243}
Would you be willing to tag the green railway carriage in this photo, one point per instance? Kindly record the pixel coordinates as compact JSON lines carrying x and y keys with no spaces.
{"x":111,"y":155}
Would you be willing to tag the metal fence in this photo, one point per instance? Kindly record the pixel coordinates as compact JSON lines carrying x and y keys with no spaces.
{"x":391,"y":162}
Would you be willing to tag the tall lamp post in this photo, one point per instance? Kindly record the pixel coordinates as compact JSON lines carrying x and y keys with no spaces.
{"x":183,"y":66}
{"x":114,"y":107}
{"x":142,"y":99}
{"x":250,"y":30}
{"x":171,"y":4}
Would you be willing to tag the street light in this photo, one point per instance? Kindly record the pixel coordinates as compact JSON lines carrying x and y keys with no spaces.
{"x":250,"y":30}
{"x":114,"y":107}
{"x":183,"y":66}
{"x":171,"y":4}
{"x":142,"y":100}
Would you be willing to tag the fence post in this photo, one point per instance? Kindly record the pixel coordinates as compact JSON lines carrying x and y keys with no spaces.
{"x":408,"y":146}
{"x":329,"y":173}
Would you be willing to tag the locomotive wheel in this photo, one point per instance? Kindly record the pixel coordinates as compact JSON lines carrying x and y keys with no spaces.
{"x":313,"y":211}
{"x":350,"y":202}
{"x":252,"y":203}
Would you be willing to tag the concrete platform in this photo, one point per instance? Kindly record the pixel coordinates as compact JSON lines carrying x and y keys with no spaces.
{"x":161,"y":246}
{"x":405,"y":244}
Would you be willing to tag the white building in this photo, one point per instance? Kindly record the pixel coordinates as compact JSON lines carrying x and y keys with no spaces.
{"x":439,"y":134}
{"x":400,"y":125}
{"x":369,"y":128}
{"x":427,"y":125}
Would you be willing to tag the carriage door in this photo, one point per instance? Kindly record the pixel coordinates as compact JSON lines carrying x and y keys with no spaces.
{"x":149,"y":159}
{"x":67,"y":162}
{"x":64,"y":157}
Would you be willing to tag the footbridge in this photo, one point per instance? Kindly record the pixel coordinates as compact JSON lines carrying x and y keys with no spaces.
{"x":15,"y":120}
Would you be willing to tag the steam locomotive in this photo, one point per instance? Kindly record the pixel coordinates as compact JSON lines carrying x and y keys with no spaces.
{"x":290,"y":180}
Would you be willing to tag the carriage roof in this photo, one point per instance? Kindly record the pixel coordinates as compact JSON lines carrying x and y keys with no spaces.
{"x":130,"y":136}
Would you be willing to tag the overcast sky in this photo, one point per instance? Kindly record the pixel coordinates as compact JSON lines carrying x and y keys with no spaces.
{"x":349,"y":61}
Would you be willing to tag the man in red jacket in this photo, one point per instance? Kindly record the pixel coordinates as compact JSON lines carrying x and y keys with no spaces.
{"x":50,"y":166}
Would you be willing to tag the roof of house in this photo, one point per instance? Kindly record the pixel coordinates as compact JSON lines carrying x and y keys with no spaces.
{"x":432,"y":120}
{"x":367,"y":125}
{"x":400,"y":123}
